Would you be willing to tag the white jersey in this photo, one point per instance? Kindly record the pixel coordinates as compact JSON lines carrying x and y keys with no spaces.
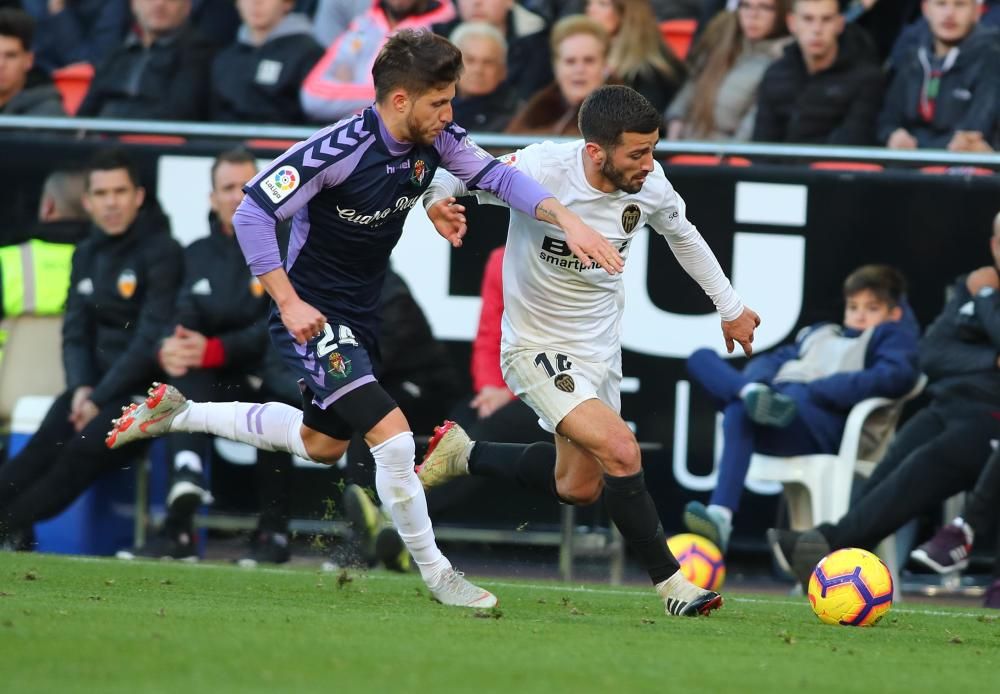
{"x":551,"y":300}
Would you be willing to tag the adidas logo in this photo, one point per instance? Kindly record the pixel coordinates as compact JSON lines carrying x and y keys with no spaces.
{"x":675,"y":607}
{"x":202,"y":287}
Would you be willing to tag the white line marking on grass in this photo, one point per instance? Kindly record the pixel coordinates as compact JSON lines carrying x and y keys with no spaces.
{"x":492,"y":583}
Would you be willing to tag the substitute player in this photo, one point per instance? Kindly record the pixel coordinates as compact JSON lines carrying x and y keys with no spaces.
{"x":347,"y":190}
{"x":561,"y":335}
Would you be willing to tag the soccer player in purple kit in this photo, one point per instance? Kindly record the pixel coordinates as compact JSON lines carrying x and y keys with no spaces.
{"x":347,"y":190}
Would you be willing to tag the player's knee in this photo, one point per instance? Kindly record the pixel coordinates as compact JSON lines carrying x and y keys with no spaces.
{"x":396,"y":454}
{"x":622,"y":456}
{"x":322,"y":448}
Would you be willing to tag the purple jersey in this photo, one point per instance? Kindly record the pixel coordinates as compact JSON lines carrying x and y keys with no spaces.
{"x":347,"y":190}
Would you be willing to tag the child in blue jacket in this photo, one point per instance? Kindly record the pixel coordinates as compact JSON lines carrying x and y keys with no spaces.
{"x":795,"y":399}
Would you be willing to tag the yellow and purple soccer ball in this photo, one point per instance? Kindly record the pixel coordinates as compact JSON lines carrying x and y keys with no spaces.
{"x":700,"y":560}
{"x":851,"y":587}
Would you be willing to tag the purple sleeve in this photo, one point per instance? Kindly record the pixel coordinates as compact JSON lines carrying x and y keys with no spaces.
{"x":256,"y":235}
{"x":478,"y":170}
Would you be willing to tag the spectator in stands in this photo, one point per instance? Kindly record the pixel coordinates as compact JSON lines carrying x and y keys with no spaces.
{"x":77,"y":31}
{"x":942,"y":449}
{"x":948,"y":551}
{"x":638,"y":57}
{"x":60,"y":217}
{"x":257,"y":78}
{"x":23,"y":91}
{"x":218,"y":344}
{"x":946,"y":89}
{"x":580,"y":62}
{"x":341,"y":82}
{"x":483,"y":101}
{"x":827,"y":86}
{"x":795,"y":399}
{"x":332,"y":17}
{"x":728,"y":62}
{"x":122,"y":288}
{"x":527,"y":38}
{"x":160,"y":72}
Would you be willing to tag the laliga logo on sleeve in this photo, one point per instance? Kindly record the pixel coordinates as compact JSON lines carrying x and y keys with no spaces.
{"x":282,"y":182}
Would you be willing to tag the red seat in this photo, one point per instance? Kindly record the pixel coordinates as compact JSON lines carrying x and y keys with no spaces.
{"x":73,"y":81}
{"x":957,"y":170}
{"x":846,"y":166}
{"x":678,"y":34}
{"x":707,"y":160}
{"x":151,"y":139}
{"x":264,"y":143}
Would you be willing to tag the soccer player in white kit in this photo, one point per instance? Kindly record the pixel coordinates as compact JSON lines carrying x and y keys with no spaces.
{"x":561,"y":334}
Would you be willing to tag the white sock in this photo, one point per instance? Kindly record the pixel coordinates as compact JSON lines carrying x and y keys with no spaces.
{"x":400,"y":490}
{"x":269,"y":426}
{"x":726,"y":513}
{"x":678,"y":587}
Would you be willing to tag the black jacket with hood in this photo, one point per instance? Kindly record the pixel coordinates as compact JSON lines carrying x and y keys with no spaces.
{"x":836,"y":106}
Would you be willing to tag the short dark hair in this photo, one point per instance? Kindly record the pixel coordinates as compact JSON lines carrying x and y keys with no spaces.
{"x":236,"y":155}
{"x":612,"y":110}
{"x":110,"y":160}
{"x":416,"y":60}
{"x":884,"y":281}
{"x":17,"y":24}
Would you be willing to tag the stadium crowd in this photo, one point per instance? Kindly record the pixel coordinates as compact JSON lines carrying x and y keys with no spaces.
{"x":900,"y":75}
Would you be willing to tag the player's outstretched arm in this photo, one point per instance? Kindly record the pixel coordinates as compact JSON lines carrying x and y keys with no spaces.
{"x":586,"y":243}
{"x":741,"y":330}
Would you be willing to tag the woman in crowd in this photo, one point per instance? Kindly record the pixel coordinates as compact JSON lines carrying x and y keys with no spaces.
{"x":638,"y":57}
{"x":580,"y":63}
{"x":728,"y":63}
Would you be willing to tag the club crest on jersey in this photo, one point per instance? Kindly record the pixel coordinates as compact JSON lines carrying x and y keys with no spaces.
{"x":256,"y":288}
{"x":419,"y":171}
{"x":509,"y":159}
{"x":565,"y":383}
{"x":281,"y":183}
{"x":127,"y":283}
{"x":630,"y":217}
{"x":339,"y":367}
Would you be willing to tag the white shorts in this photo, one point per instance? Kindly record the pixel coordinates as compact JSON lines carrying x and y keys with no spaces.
{"x":553,"y":383}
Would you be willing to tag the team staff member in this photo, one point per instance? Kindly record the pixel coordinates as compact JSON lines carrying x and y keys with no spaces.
{"x":122,"y":286}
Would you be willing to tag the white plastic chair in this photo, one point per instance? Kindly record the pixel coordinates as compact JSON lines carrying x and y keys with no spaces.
{"x":818,"y":487}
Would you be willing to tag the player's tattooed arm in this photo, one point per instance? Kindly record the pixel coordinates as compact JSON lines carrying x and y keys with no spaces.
{"x":587,"y":245}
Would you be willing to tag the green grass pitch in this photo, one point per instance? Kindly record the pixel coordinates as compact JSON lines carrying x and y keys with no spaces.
{"x":88,"y":625}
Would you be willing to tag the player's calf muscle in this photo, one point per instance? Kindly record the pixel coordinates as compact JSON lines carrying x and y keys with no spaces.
{"x":322,"y":448}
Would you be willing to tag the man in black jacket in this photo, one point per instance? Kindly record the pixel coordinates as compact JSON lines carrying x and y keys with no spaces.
{"x":257,"y":78}
{"x":122,"y":288}
{"x":826,"y":88}
{"x":946,"y":88}
{"x":161,"y":71}
{"x":484,"y":101}
{"x":941,"y":450}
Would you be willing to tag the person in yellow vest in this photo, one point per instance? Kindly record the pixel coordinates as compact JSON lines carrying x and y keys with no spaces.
{"x":35,"y":265}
